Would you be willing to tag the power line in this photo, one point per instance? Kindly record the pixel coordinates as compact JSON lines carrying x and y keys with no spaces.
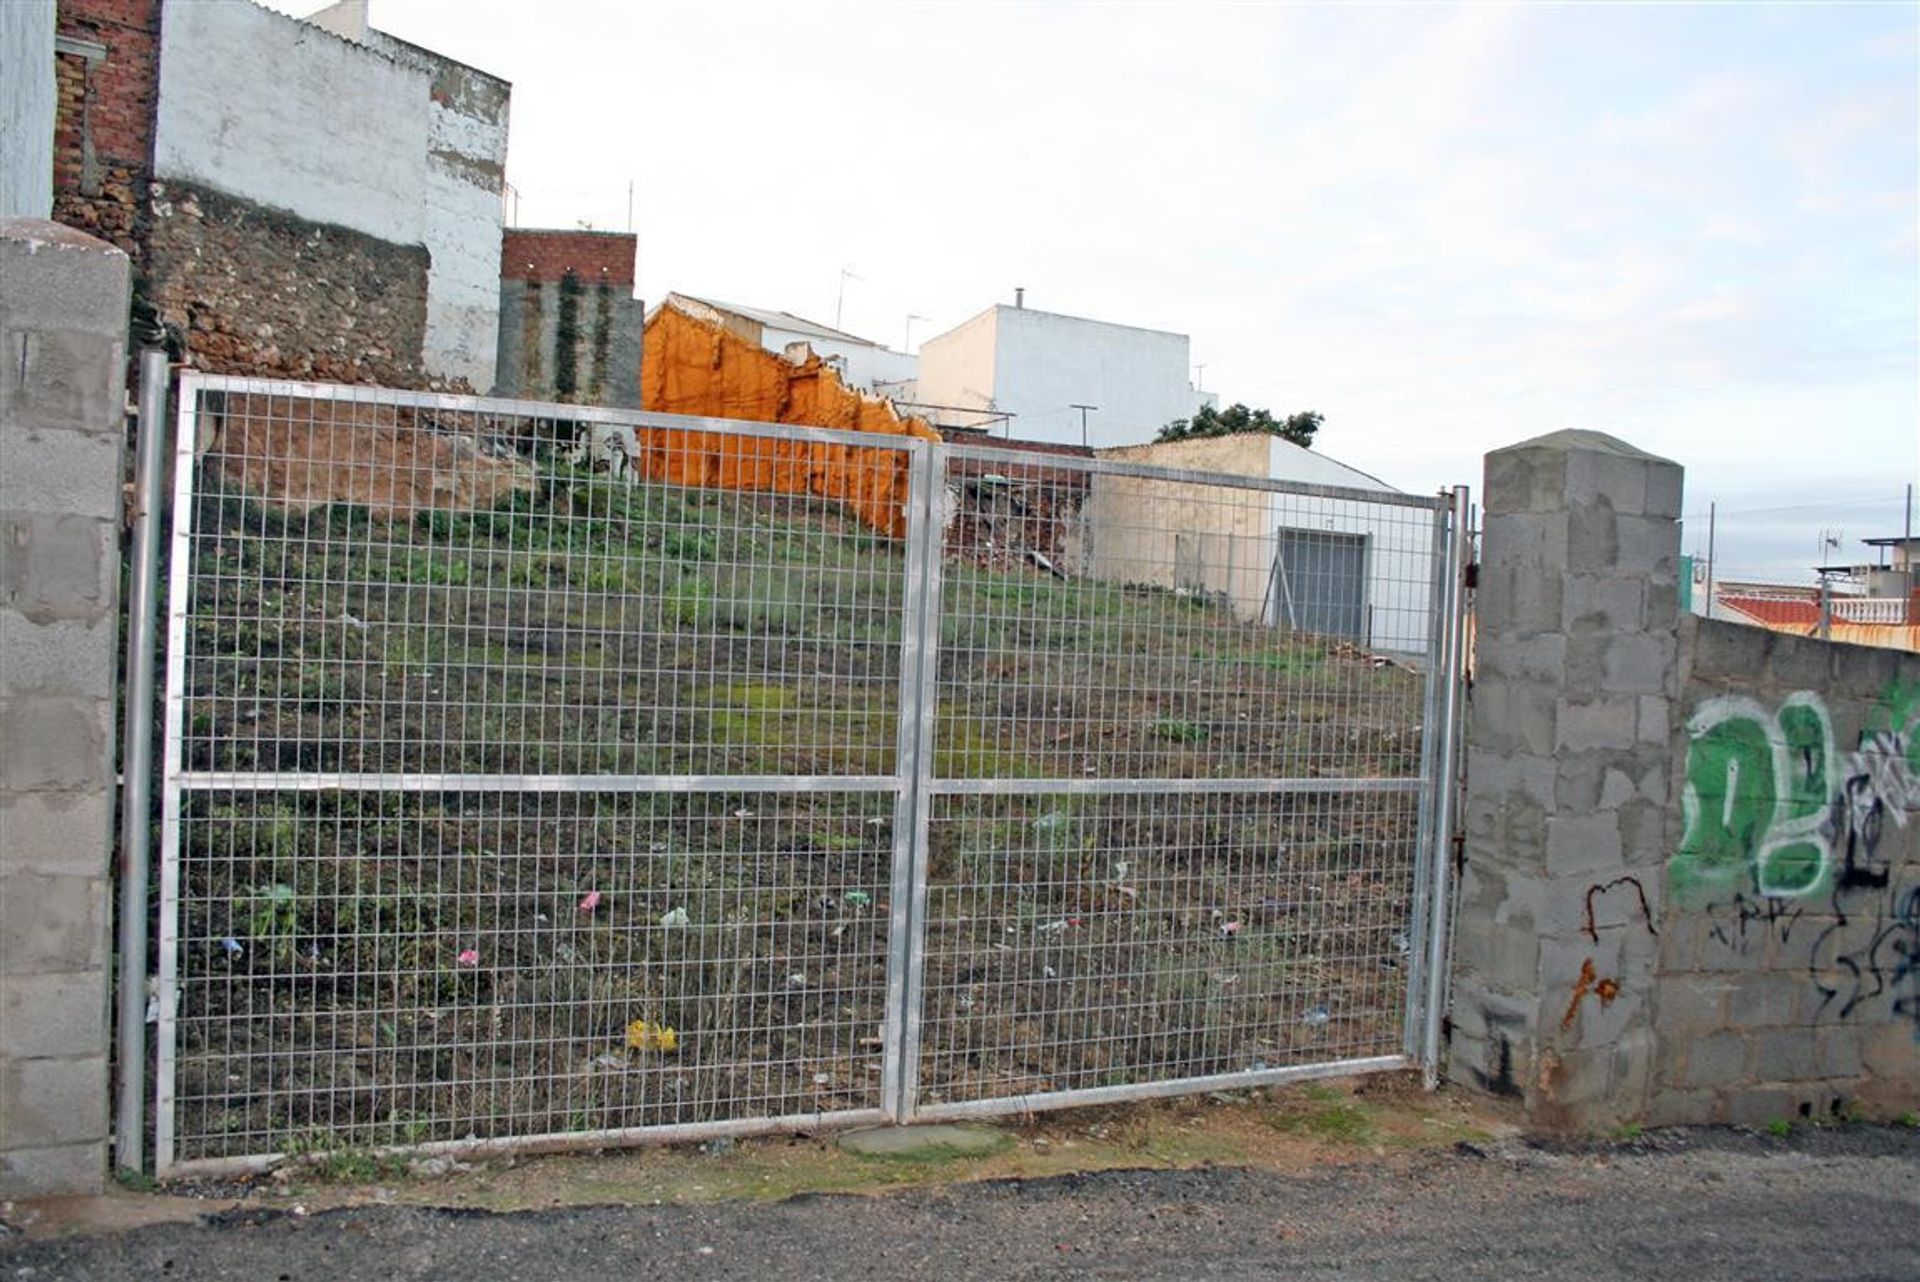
{"x":1848,"y":505}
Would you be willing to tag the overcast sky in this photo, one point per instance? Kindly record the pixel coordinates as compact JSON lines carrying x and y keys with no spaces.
{"x":1447,"y":228}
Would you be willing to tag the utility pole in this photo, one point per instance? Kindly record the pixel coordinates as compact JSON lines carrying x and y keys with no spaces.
{"x":1083,"y":421}
{"x":1711,"y":511}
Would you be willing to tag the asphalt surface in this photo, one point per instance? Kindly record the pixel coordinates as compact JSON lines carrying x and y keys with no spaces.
{"x":1698,"y":1205}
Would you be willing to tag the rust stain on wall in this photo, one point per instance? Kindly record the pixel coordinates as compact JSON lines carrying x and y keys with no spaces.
{"x":692,"y":367}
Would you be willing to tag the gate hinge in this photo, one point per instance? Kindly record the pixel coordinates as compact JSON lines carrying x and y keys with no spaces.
{"x":1470,"y":575}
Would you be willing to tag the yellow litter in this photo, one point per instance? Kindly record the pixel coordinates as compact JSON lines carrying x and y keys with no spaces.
{"x":642,"y":1036}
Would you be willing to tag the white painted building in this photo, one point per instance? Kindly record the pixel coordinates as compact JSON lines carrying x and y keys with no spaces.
{"x":26,"y":108}
{"x":1354,"y":567}
{"x":336,"y":122}
{"x":1037,"y":366}
{"x":864,"y":365}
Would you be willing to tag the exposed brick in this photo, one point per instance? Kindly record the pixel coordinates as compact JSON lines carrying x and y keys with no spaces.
{"x":547,"y":256}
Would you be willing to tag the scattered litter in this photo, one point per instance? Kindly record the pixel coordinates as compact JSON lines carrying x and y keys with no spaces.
{"x":717,"y":1148}
{"x":797,"y":980}
{"x":1224,"y":980}
{"x":1120,"y":869}
{"x":706,"y":1250}
{"x":608,"y":1060}
{"x":1230,"y":928}
{"x":674,"y":917}
{"x":878,"y":821}
{"x":539,"y":916}
{"x":642,"y":1036}
{"x":591,"y":902}
{"x":231,"y":946}
{"x":1049,"y":972}
{"x":858,"y":898}
{"x":1318,"y":1017}
{"x":1401,"y":944}
{"x":352,"y":622}
{"x":743,"y":813}
{"x":821,"y":1079}
{"x":468,"y":957}
{"x":1050,"y":927}
{"x":657,"y":847}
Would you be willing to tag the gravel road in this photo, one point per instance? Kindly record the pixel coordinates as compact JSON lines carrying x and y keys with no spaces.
{"x":1699,"y":1205}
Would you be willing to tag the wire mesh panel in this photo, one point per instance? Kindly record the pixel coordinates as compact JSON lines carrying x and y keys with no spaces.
{"x":527,"y":775}
{"x":1180,"y":733}
{"x":537,"y":772}
{"x":1109,"y":940}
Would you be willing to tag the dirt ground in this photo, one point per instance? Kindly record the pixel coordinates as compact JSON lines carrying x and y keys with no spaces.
{"x":1354,"y":1179}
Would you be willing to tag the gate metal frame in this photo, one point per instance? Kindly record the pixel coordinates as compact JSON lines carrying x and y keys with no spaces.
{"x":1434,"y":785}
{"x":913,"y":781}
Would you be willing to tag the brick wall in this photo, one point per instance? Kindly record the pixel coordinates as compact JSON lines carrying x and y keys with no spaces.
{"x":103,"y":124}
{"x":547,"y":256}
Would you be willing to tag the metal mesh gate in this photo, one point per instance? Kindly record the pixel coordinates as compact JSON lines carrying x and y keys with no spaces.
{"x":541,"y":774}
{"x":1168,"y":840}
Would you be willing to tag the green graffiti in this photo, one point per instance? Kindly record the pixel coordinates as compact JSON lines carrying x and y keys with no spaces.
{"x":1730,"y":802}
{"x":1758,"y":790}
{"x":1805,"y":733}
{"x":1898,"y":713}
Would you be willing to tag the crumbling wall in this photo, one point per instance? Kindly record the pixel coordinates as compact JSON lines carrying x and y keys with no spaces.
{"x":700,"y":369}
{"x":294,"y":203}
{"x":258,"y":291}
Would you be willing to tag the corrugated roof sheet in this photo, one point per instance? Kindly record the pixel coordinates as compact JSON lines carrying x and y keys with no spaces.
{"x":783,"y":320}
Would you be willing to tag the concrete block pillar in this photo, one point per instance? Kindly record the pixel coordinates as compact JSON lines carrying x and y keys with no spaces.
{"x":1569,"y":779}
{"x":63,"y":318}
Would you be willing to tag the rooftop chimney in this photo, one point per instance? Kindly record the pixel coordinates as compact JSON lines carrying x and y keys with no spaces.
{"x":1019,"y":296}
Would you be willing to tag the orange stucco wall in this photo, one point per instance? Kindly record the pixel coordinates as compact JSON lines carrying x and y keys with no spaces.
{"x":691,"y":367}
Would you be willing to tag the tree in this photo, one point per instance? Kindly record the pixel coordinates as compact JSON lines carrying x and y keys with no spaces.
{"x":1298,"y":428}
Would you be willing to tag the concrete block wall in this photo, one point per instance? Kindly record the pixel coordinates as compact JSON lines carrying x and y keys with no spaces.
{"x":1691,"y":890}
{"x":63,"y":316}
{"x":1789,"y":981}
{"x":1569,"y":778}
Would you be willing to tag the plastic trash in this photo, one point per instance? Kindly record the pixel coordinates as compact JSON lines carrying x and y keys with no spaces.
{"x":643,"y":1036}
{"x":674,"y":917}
{"x":231,"y":946}
{"x":1318,"y":1017}
{"x":858,"y":898}
{"x":1229,"y":928}
{"x":468,"y":957}
{"x":797,"y":980}
{"x":590,"y":902}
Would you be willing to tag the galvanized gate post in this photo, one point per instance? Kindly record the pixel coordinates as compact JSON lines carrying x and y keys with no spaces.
{"x":918,"y":647}
{"x":1445,"y":783}
{"x":136,"y":768}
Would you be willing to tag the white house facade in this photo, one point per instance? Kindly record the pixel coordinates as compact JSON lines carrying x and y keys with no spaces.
{"x":1039,"y":367}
